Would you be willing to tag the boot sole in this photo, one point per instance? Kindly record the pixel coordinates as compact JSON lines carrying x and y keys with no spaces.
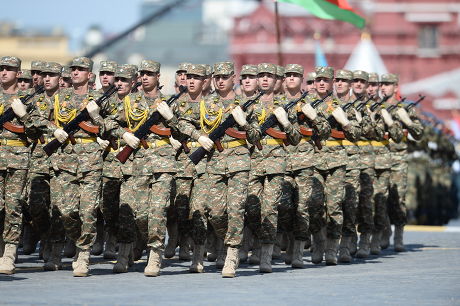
{"x":150,"y":274}
{"x":228,"y":275}
{"x":265,"y":271}
{"x":330,"y":263}
{"x":80,"y":274}
{"x":196,"y":270}
{"x":7,"y":272}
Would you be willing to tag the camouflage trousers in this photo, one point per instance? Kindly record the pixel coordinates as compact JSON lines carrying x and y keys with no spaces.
{"x":110,"y":203}
{"x":397,"y":194}
{"x":332,"y":182}
{"x":309,"y":200}
{"x":78,"y":197}
{"x":264,"y":196}
{"x":350,"y":202}
{"x":366,"y":203}
{"x":219,"y":199}
{"x":56,"y":231}
{"x":144,"y":202}
{"x":179,"y":210}
{"x":381,"y":187}
{"x":12,"y":184}
{"x":39,"y":202}
{"x":288,"y":204}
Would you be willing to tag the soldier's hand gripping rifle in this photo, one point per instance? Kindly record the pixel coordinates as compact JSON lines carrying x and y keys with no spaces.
{"x":9,"y":115}
{"x":219,"y":132}
{"x":413,"y":104}
{"x":392,"y":107}
{"x":73,"y":126}
{"x":144,"y":129}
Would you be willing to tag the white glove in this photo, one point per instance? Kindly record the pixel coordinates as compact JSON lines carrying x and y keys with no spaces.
{"x":239,"y":116}
{"x":165,"y":111}
{"x":309,"y":111}
{"x":18,"y":108}
{"x":175,"y":143}
{"x":404,"y":116}
{"x":340,"y":116}
{"x":281,"y":116}
{"x":206,"y":143}
{"x":358,"y":115}
{"x":131,"y":140}
{"x":387,"y":117}
{"x":93,"y":109}
{"x":60,"y":135}
{"x":103,"y":143}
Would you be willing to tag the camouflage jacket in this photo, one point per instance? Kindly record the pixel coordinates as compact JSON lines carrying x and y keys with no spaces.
{"x":159,"y":157}
{"x":273,"y":158}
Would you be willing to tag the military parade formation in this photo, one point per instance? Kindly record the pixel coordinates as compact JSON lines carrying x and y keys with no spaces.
{"x":267,"y":166}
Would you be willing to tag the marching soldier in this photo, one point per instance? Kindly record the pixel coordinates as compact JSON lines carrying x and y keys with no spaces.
{"x":66,"y":80}
{"x":25,"y":80}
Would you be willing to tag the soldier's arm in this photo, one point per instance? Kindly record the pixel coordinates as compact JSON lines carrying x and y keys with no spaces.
{"x":187,"y":127}
{"x":252,"y":128}
{"x":416,"y":128}
{"x":293,"y":130}
{"x":353,"y":130}
{"x":395,"y":131}
{"x":321,"y":126}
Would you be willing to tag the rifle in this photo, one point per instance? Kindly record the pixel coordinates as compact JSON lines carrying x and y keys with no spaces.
{"x":362,"y":104}
{"x":9,"y":115}
{"x":73,"y":126}
{"x":134,"y":89}
{"x":219,"y":132}
{"x":349,"y":104}
{"x":144,"y":129}
{"x":413,"y":104}
{"x":392,"y":107}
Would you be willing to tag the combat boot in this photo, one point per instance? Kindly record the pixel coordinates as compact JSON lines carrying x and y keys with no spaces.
{"x":110,"y":250}
{"x":98,"y":246}
{"x":375,"y":243}
{"x":289,"y":251}
{"x":197,"y":259}
{"x":45,"y":249}
{"x":364,"y":245}
{"x":70,"y":249}
{"x":154,"y":264}
{"x":54,"y":262}
{"x":266,"y":258}
{"x":221,"y":254}
{"x":254,"y":259}
{"x":398,"y":239}
{"x":184,"y":249}
{"x":244,"y":249}
{"x":231,"y":263}
{"x":277,"y":246}
{"x":297,"y":254}
{"x":75,"y":258}
{"x":319,"y":241}
{"x":82,"y":264}
{"x":308,"y":242}
{"x":2,"y":246}
{"x":344,"y":249}
{"x":353,"y":246}
{"x":7,"y":260}
{"x":332,"y":246}
{"x":173,"y":238}
{"x":29,"y":240}
{"x":122,"y":264}
{"x":386,"y":235}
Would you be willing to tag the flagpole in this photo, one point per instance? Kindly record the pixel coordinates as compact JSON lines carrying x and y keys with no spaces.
{"x":278,"y":35}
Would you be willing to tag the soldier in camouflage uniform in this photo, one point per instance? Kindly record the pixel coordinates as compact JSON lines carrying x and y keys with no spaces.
{"x":300,"y":176}
{"x":227,"y":172}
{"x":398,"y":177}
{"x":330,"y":170}
{"x":25,"y":80}
{"x":145,"y":193}
{"x":310,"y":82}
{"x":207,"y":88}
{"x":35,"y":71}
{"x":14,"y":151}
{"x":279,"y":88}
{"x":267,"y":169}
{"x":66,"y":79}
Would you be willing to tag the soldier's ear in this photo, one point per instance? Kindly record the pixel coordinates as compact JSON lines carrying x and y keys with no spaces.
{"x":90,"y":75}
{"x":233,"y":78}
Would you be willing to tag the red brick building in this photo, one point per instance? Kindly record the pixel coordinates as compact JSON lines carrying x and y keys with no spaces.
{"x":417,"y":39}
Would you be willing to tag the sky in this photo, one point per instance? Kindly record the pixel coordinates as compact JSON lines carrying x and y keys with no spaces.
{"x":74,"y":17}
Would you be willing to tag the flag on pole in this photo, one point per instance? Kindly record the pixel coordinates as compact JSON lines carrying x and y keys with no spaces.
{"x":320,"y":58}
{"x":331,"y":9}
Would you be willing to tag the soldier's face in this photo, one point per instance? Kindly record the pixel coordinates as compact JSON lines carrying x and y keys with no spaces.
{"x":181,"y":78}
{"x":323,"y":85}
{"x":310,"y":86}
{"x":9,"y":74}
{"x":149,"y":79}
{"x":372,"y":89}
{"x":80,"y":76}
{"x":50,"y":80}
{"x":388,"y":89}
{"x":106,"y":78}
{"x":65,"y":82}
{"x":37,"y":78}
{"x":342,"y":86}
{"x":194,"y":83}
{"x":124,"y":85}
{"x":293,"y":80}
{"x":24,"y":84}
{"x":266,"y":81}
{"x":249,"y":83}
{"x":278,"y":83}
{"x":359,"y":86}
{"x":224,"y":83}
{"x":207,"y":83}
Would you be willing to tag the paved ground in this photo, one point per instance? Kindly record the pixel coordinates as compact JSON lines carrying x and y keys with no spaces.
{"x":428,"y":274}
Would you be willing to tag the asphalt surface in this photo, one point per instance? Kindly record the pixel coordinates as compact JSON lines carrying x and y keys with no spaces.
{"x":427,"y":274}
